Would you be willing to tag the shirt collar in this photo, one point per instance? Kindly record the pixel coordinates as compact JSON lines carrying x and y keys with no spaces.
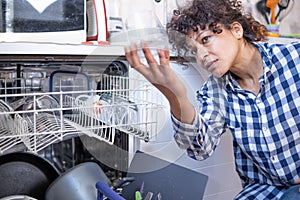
{"x":231,"y":84}
{"x":265,"y":52}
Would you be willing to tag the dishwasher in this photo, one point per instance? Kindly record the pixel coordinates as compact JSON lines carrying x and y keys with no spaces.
{"x":69,"y":108}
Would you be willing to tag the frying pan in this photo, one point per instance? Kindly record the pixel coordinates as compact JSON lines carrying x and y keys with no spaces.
{"x":25,"y":174}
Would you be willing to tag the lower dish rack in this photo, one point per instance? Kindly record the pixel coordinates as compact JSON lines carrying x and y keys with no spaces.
{"x":38,"y":118}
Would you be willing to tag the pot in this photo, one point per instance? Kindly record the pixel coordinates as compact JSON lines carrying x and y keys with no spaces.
{"x":77,"y":183}
{"x":25,"y":174}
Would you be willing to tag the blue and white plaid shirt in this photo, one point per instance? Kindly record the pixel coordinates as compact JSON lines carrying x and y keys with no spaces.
{"x":265,"y":127}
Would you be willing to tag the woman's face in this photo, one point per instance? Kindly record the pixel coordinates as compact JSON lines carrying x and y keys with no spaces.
{"x":215,"y":52}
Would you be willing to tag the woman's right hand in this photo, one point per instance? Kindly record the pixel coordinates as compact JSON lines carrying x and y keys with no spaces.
{"x":163,"y":78}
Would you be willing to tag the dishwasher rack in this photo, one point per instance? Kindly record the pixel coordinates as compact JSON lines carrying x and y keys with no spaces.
{"x":37,"y":114}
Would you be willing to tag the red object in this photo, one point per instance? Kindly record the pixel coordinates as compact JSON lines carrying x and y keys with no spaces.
{"x":97,"y":29}
{"x":96,"y":42}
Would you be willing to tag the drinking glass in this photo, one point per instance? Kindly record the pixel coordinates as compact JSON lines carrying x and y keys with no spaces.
{"x":145,"y":27}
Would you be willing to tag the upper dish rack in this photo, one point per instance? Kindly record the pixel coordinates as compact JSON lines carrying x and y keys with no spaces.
{"x":40,"y":111}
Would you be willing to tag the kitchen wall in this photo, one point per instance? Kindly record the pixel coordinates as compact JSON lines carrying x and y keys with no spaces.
{"x":223,"y":183}
{"x":164,"y":8}
{"x":289,"y":23}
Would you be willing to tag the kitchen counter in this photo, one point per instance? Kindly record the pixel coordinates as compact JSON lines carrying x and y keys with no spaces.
{"x":59,"y":49}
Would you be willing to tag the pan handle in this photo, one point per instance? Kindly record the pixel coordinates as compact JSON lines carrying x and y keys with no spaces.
{"x":105,"y":190}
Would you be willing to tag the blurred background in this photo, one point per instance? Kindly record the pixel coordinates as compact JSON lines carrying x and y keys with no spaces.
{"x":287,"y":19}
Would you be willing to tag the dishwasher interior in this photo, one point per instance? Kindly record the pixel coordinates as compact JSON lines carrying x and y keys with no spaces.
{"x":72,"y":111}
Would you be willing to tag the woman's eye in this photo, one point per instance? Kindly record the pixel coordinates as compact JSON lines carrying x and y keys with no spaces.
{"x":205,"y":39}
{"x":194,"y":51}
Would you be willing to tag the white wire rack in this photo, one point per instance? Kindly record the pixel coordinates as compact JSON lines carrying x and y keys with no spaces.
{"x":36,"y":119}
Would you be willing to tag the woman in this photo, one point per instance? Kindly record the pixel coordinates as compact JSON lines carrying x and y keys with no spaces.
{"x":253,"y":91}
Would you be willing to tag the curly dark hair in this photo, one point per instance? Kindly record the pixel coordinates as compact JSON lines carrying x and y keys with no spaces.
{"x":207,"y":14}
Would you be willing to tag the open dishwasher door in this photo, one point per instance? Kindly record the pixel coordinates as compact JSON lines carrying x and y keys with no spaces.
{"x":164,"y":180}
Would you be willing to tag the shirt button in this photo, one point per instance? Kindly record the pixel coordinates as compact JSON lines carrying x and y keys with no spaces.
{"x":264,"y":129}
{"x":274,"y":158}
